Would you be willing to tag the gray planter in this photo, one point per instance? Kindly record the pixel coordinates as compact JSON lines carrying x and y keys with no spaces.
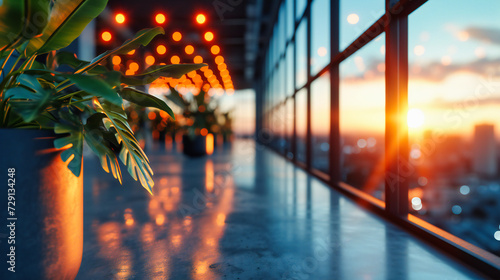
{"x":48,"y":207}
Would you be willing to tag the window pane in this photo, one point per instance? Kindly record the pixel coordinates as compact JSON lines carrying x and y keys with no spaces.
{"x":301,"y":55}
{"x":320,"y":122}
{"x":301,"y":123}
{"x":454,"y":117}
{"x":320,"y":37}
{"x":290,"y":19}
{"x":355,"y":18}
{"x":301,"y":7}
{"x":362,"y":118}
{"x":290,"y":85}
{"x":289,"y":126}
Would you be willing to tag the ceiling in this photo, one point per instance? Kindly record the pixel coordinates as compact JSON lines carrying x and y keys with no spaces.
{"x":240,"y":28}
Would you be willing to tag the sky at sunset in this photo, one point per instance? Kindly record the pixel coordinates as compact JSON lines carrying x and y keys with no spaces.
{"x":454,"y":55}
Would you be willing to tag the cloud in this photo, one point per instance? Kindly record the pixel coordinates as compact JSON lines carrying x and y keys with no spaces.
{"x":487,"y":35}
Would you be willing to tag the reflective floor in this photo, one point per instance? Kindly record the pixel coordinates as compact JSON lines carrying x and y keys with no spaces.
{"x":242,"y":213}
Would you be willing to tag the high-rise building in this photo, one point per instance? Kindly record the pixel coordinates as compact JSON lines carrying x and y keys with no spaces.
{"x":484,"y":157}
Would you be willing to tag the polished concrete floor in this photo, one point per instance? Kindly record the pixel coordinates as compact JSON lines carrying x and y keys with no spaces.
{"x":242,"y":213}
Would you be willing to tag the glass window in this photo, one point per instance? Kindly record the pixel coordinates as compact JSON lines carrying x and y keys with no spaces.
{"x":300,"y":8}
{"x":320,"y":37}
{"x":355,"y":18}
{"x":301,"y":55}
{"x":320,"y":122}
{"x":289,"y":115}
{"x":290,"y":19}
{"x":454,"y":116}
{"x":290,"y":85}
{"x":362,"y":118}
{"x":301,"y":123}
{"x":281,"y":29}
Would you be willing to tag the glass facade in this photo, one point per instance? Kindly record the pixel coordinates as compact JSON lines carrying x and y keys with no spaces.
{"x":437,"y":81}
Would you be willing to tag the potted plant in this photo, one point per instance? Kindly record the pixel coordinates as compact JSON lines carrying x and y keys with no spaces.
{"x":199,"y":112}
{"x":45,"y":117}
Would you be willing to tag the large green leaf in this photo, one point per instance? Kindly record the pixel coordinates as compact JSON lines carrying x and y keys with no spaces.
{"x":70,"y":59}
{"x":96,"y":136}
{"x":73,"y":143}
{"x":142,"y":37}
{"x":29,"y":98}
{"x":145,"y":100}
{"x":154,"y":72}
{"x":96,"y":86}
{"x":131,"y":153}
{"x":21,"y":20}
{"x":67,"y":20}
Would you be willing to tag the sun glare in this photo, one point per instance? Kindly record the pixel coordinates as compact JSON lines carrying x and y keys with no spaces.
{"x":415,"y":118}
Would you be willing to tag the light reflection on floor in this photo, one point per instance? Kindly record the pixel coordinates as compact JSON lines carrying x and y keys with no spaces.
{"x":242,"y":213}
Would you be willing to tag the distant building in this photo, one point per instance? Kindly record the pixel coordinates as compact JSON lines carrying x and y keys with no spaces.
{"x":484,"y":157}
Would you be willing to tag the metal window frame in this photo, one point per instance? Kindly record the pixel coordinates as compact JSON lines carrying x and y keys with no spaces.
{"x":394,"y":23}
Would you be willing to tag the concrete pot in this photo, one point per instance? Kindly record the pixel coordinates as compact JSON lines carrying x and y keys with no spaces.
{"x":48,"y":207}
{"x":194,"y":146}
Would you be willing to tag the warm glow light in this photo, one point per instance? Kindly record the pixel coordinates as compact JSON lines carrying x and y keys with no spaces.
{"x":160,"y":219}
{"x":106,"y":36}
{"x":198,"y":59}
{"x":161,"y":49}
{"x":152,"y":115}
{"x":160,"y":18}
{"x":209,"y":36}
{"x":133,"y":66}
{"x":189,"y":49}
{"x":222,"y":67}
{"x":177,"y":36}
{"x":175,"y":60}
{"x":204,"y":132}
{"x":221,"y":219}
{"x":322,"y":51}
{"x":120,"y":18}
{"x":215,"y":49}
{"x":219,"y":59}
{"x":419,"y":50}
{"x":201,"y":19}
{"x":415,"y":118}
{"x":150,"y":60}
{"x":116,"y":60}
{"x":210,"y":144}
{"x":131,"y":52}
{"x":353,"y":18}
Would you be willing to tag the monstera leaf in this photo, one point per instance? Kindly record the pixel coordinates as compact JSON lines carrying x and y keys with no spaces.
{"x":101,"y":141}
{"x":73,"y":143}
{"x":156,"y":71}
{"x":131,"y":153}
{"x":145,"y":100}
{"x":21,"y":21}
{"x":142,"y":37}
{"x":29,"y":97}
{"x":67,"y":20}
{"x":97,"y":87}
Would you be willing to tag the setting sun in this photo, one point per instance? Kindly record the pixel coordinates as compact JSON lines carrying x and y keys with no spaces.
{"x":415,"y":118}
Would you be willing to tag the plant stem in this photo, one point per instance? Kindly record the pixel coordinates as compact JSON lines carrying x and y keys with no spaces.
{"x":5,"y":62}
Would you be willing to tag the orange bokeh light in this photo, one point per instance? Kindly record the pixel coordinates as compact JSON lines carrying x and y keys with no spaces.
{"x":150,"y":60}
{"x":116,"y":60}
{"x":204,"y":132}
{"x":209,"y":36}
{"x":219,"y":60}
{"x":201,"y":18}
{"x":106,"y":36}
{"x":189,"y":49}
{"x":132,"y":52}
{"x":152,"y":115}
{"x":222,"y":67}
{"x":175,"y":60}
{"x":133,"y":66}
{"x":215,"y":49}
{"x":177,"y":36}
{"x":210,"y":147}
{"x":198,"y":59}
{"x":120,"y":18}
{"x":161,"y":49}
{"x":160,"y":18}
